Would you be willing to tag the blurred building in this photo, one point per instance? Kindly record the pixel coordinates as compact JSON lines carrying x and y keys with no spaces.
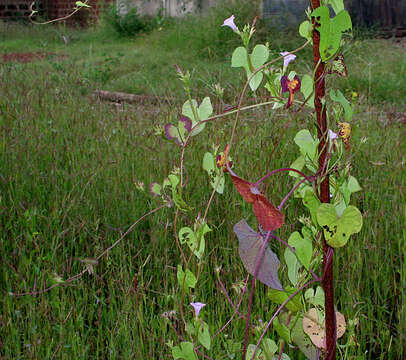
{"x":386,"y":14}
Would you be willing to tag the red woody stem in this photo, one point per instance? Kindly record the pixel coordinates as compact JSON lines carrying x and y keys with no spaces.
{"x":324,"y":193}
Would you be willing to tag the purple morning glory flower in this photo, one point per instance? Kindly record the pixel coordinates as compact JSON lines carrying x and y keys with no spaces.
{"x":197,"y":306}
{"x":332,"y":135}
{"x":287,"y":58}
{"x":230,"y":23}
{"x":290,"y":85}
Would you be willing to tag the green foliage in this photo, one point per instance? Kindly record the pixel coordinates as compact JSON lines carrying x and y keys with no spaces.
{"x":186,"y":279}
{"x":337,"y":230}
{"x":216,"y":175}
{"x":202,"y":34}
{"x":307,"y":144}
{"x":195,"y":238}
{"x":203,"y":333}
{"x":184,"y":351}
{"x":280,"y":297}
{"x":337,"y":95}
{"x":37,"y":171}
{"x":303,"y":248}
{"x":130,"y":24}
{"x":331,"y":30}
{"x":251,"y":62}
{"x":197,"y":113}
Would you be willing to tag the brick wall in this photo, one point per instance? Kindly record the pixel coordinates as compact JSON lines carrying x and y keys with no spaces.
{"x":60,"y":8}
{"x":52,"y":9}
{"x":18,"y":9}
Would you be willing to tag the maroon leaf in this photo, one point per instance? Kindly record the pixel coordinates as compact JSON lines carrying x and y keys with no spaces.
{"x":268,"y":216}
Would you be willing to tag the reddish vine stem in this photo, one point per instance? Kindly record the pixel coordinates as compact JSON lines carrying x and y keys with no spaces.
{"x":324,"y":195}
{"x":254,"y":277}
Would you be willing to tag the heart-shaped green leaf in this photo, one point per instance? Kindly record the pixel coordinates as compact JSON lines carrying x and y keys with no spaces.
{"x":250,"y":353}
{"x":216,"y":175}
{"x":311,"y":201}
{"x":315,"y":298}
{"x":330,"y":30}
{"x":258,"y":57}
{"x":337,"y":96}
{"x":337,"y":230}
{"x":302,"y":340}
{"x":203,"y":333}
{"x":280,"y":297}
{"x":186,"y":279}
{"x":306,"y":143}
{"x":239,"y":58}
{"x":282,"y":330}
{"x":305,"y":29}
{"x":303,"y":248}
{"x":270,"y":348}
{"x":337,"y":5}
{"x":203,"y":112}
{"x":298,"y":164}
{"x":307,"y":87}
{"x":293,"y":265}
{"x":177,"y":194}
{"x":185,"y":351}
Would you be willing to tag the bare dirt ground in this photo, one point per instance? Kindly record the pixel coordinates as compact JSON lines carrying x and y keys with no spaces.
{"x":26,"y":57}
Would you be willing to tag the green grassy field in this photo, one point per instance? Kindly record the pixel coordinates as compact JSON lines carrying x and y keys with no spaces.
{"x":68,"y":168}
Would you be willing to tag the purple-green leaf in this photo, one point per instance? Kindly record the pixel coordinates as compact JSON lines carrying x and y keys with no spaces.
{"x":249,"y":249}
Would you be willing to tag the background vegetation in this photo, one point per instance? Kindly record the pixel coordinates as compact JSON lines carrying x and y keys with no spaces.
{"x":69,"y":164}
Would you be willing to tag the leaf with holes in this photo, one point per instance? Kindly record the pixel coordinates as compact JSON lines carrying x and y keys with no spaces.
{"x":316,"y":330}
{"x":302,"y":341}
{"x":249,"y":249}
{"x":337,"y":230}
{"x":216,"y":175}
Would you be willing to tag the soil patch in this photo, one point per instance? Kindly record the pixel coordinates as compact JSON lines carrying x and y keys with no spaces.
{"x":26,"y":57}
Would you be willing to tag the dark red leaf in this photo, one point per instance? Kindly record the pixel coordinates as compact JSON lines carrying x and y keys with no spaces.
{"x":243,"y":187}
{"x":268,"y":216}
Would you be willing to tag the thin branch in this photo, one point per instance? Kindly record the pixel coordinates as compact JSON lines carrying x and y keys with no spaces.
{"x":254,"y":277}
{"x":84,"y":271}
{"x":277,"y":313}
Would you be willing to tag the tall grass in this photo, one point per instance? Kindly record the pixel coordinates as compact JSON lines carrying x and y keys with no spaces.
{"x":68,"y":168}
